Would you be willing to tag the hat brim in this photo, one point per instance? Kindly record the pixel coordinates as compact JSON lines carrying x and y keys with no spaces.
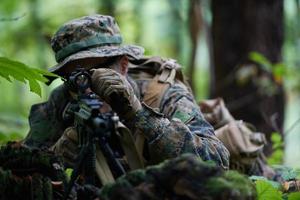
{"x":135,"y":52}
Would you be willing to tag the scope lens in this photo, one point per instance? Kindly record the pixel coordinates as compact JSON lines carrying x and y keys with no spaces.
{"x":82,"y":80}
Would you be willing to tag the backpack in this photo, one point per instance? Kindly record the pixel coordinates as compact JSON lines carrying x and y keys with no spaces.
{"x":161,"y":72}
{"x":243,"y":142}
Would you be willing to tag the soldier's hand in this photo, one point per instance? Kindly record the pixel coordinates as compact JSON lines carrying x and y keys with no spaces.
{"x":67,"y":147}
{"x":113,"y":88}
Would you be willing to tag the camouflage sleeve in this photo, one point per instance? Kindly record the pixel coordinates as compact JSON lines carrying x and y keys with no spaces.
{"x":45,"y":119}
{"x":180,"y":129}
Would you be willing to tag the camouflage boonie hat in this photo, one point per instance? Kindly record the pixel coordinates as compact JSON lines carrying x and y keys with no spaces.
{"x":90,"y":37}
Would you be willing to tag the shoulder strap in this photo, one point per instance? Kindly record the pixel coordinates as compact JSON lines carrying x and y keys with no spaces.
{"x":133,"y":156}
{"x":154,"y":94}
{"x":164,"y":77}
{"x":160,"y":83}
{"x":102,"y":168}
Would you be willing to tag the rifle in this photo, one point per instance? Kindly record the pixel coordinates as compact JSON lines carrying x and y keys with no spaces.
{"x":92,"y":127}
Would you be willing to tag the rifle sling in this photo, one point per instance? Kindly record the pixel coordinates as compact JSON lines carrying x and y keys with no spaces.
{"x":102,"y":169}
{"x":134,"y":158}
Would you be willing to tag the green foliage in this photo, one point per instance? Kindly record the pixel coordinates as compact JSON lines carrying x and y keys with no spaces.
{"x":261,"y":178}
{"x":11,"y":136}
{"x":69,"y":172}
{"x":266,"y":84}
{"x":277,"y":69}
{"x":294,"y":196}
{"x":277,"y":155}
{"x":279,"y":72}
{"x":262,"y":60}
{"x":231,"y":180}
{"x":265,"y":191}
{"x":21,"y":72}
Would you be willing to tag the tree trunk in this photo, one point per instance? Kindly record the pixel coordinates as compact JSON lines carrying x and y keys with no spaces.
{"x":195,"y":22}
{"x":239,"y":27}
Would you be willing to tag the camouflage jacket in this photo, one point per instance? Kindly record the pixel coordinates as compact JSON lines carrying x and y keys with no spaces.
{"x":178,"y":128}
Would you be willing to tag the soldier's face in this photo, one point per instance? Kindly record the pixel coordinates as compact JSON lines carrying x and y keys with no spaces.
{"x":120,"y":64}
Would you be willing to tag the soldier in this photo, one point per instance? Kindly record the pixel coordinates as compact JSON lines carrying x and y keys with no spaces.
{"x":241,"y":139}
{"x":94,"y":42}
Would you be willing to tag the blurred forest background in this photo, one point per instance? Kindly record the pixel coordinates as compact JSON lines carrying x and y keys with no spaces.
{"x":244,"y":51}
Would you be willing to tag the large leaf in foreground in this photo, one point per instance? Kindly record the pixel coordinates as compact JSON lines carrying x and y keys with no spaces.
{"x":21,"y":72}
{"x":265,"y":191}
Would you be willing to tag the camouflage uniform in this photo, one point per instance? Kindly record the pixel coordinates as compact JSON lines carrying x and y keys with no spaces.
{"x":167,"y":135}
{"x":177,"y":128}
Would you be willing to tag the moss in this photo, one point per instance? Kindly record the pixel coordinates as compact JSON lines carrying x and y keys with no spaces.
{"x":233,"y":184}
{"x":185,"y":177}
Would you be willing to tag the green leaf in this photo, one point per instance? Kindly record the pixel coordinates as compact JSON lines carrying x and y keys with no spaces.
{"x":46,"y":73}
{"x":277,"y":141}
{"x":277,"y":155}
{"x":279,"y":69}
{"x":265,"y":191}
{"x":35,"y":87}
{"x":21,"y":72}
{"x":276,"y":137}
{"x":276,"y":185}
{"x":6,"y":76}
{"x":69,"y":172}
{"x":261,"y":59}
